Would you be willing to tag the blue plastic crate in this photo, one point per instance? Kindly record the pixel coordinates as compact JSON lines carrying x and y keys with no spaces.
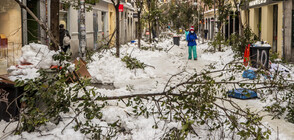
{"x":242,"y":93}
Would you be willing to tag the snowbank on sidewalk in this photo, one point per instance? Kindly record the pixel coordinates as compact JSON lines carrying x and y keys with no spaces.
{"x":221,"y":58}
{"x":34,"y":57}
{"x":279,"y":68}
{"x":39,"y":55}
{"x":109,"y":69}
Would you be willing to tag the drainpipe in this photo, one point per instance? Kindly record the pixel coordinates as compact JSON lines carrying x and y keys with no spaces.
{"x":49,"y":18}
{"x":283,"y":45}
{"x":22,"y":20}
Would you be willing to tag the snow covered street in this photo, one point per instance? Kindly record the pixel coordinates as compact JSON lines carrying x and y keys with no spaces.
{"x":111,"y":70}
{"x":162,"y":65}
{"x":146,"y":70}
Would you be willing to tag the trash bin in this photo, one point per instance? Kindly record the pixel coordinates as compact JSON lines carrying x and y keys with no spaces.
{"x":177,"y":40}
{"x":10,"y":93}
{"x":259,"y":56}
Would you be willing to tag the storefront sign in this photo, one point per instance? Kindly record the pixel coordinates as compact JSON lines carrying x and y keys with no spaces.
{"x":257,"y":2}
{"x":121,"y":8}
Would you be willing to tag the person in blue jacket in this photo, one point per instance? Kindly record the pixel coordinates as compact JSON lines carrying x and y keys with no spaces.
{"x":191,"y":38}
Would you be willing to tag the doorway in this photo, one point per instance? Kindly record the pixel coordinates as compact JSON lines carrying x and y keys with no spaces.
{"x":103,"y":24}
{"x":32,"y":25}
{"x":259,"y":23}
{"x":226,"y":30}
{"x":95,"y":28}
{"x":209,"y":29}
{"x":236,"y":22}
{"x":112,"y":27}
{"x":275,"y":27}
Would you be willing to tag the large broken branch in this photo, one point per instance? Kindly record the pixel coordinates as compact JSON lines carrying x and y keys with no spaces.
{"x":41,"y":23}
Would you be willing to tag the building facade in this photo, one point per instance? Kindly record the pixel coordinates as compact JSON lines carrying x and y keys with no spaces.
{"x":101,"y":25}
{"x":272,"y":21}
{"x":19,"y":28}
{"x":209,"y":23}
{"x":230,"y":26}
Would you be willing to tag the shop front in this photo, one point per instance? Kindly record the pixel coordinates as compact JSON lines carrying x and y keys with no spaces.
{"x":265,"y":18}
{"x":209,"y":22}
{"x":10,"y":33}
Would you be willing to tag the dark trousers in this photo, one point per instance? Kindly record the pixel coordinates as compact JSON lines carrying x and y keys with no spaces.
{"x":65,"y":48}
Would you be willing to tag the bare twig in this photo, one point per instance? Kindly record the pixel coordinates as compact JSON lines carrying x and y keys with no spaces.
{"x":171,"y":78}
{"x":6,"y":126}
{"x":13,"y":101}
{"x":72,"y":120}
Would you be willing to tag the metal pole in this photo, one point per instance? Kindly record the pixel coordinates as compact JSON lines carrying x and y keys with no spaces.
{"x":214,"y":19}
{"x":283,"y":44}
{"x":49,"y":18}
{"x":13,"y":53}
{"x":198,"y":20}
{"x":83,"y":34}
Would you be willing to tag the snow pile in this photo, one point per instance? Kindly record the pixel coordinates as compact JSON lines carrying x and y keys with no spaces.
{"x":261,"y":44}
{"x":164,"y":44}
{"x":110,"y":69}
{"x":34,"y":57}
{"x":38,"y":55}
{"x":279,"y":68}
{"x":49,"y":132}
{"x":221,"y":58}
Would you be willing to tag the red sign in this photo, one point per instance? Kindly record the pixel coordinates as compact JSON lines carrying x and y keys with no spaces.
{"x":120,"y":8}
{"x":147,"y":33}
{"x":3,"y":41}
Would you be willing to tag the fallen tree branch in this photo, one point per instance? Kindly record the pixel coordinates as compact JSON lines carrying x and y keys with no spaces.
{"x":71,"y":121}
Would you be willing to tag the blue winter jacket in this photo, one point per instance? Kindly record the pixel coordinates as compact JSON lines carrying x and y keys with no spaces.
{"x":191,"y":38}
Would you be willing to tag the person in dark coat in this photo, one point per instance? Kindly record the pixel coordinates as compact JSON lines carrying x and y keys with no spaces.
{"x":191,"y":38}
{"x":64,"y":38}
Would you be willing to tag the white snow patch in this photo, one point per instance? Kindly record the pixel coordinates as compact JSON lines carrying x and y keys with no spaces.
{"x":35,"y":57}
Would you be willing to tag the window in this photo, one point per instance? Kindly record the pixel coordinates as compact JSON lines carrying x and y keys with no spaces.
{"x":103,"y":20}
